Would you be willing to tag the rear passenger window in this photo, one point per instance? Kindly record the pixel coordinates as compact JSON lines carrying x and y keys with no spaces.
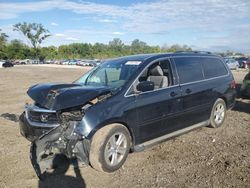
{"x":189,"y":69}
{"x":213,"y":67}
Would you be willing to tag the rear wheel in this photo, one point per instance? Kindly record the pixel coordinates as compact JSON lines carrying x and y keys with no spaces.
{"x":109,"y":148}
{"x":218,"y":113}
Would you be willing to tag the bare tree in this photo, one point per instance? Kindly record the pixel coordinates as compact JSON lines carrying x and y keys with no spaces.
{"x":35,"y":33}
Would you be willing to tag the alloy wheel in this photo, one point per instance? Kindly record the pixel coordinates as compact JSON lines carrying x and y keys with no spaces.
{"x":115,"y":149}
{"x":219,"y":113}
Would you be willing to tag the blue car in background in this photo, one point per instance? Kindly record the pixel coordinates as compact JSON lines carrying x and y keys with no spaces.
{"x":72,"y":62}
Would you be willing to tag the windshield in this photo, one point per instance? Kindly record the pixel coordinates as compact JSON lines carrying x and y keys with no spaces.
{"x":113,"y":74}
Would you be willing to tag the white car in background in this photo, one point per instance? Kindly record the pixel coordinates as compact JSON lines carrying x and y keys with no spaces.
{"x":1,"y":64}
{"x":232,"y":63}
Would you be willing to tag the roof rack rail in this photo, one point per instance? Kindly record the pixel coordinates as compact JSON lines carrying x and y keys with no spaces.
{"x":194,"y":52}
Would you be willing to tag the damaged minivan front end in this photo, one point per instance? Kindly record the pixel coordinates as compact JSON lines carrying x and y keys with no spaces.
{"x":55,"y":123}
{"x":87,"y":120}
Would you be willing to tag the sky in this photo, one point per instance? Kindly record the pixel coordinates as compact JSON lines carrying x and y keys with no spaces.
{"x":212,"y":25}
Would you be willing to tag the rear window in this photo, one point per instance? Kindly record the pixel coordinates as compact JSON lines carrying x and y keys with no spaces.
{"x":213,"y":67}
{"x":189,"y":69}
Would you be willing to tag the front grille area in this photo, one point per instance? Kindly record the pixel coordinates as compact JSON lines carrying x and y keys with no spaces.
{"x":42,"y":117}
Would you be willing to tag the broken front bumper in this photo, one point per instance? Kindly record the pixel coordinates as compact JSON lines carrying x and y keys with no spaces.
{"x":62,"y":135}
{"x":60,"y":140}
{"x":29,"y":131}
{"x":36,"y":121}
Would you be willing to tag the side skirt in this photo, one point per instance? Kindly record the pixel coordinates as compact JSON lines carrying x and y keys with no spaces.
{"x":163,"y":138}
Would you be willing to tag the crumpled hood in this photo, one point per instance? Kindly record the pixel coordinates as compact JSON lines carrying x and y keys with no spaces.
{"x":62,"y":96}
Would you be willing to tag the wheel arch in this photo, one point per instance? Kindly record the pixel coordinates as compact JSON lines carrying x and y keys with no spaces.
{"x":225,"y":100}
{"x":106,"y":123}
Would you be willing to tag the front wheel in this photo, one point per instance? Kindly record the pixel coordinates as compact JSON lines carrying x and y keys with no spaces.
{"x":218,"y":113}
{"x":109,"y":148}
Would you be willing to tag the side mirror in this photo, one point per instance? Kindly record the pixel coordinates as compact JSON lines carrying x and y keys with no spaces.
{"x":145,"y":86}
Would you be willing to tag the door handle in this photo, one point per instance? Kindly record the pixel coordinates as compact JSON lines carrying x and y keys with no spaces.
{"x":173,"y":94}
{"x":188,"y":91}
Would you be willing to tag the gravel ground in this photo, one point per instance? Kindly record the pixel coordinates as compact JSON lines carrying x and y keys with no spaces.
{"x":205,"y":157}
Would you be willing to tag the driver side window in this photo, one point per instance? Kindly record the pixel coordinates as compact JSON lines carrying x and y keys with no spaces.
{"x":156,"y":76}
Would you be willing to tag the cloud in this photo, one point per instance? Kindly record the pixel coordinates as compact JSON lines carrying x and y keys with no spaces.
{"x":161,"y":17}
{"x":71,"y":38}
{"x":235,"y":41}
{"x":148,"y":17}
{"x":107,"y":20}
{"x":12,"y":10}
{"x":54,"y":24}
{"x":7,"y":15}
{"x":59,"y":35}
{"x":117,"y":33}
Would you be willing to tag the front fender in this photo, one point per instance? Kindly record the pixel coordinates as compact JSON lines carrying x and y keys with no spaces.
{"x":106,"y":113}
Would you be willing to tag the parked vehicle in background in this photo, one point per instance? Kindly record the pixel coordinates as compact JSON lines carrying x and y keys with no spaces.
{"x":72,"y":62}
{"x":79,"y":63}
{"x":232,"y":63}
{"x":245,"y":87}
{"x":86,"y":63}
{"x":242,"y":62}
{"x":16,"y":62}
{"x":50,"y":61}
{"x":126,"y":104}
{"x":92,"y":63}
{"x":23,"y":62}
{"x":82,"y":63}
{"x":58,"y":62}
{"x":34,"y":61}
{"x":98,"y":62}
{"x":7,"y":64}
{"x":248,"y":62}
{"x":64,"y":62}
{"x":1,"y":63}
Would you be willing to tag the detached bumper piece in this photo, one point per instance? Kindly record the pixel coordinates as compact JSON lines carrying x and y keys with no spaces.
{"x":60,"y":140}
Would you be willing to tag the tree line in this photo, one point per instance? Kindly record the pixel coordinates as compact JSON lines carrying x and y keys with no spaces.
{"x":36,"y":34}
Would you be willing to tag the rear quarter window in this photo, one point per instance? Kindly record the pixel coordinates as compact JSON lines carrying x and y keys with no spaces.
{"x":189,"y":69}
{"x":213,"y":67}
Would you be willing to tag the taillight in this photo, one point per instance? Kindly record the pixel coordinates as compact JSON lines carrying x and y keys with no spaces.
{"x":233,"y":84}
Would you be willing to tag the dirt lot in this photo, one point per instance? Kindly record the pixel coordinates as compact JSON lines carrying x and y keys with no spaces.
{"x":203,"y":158}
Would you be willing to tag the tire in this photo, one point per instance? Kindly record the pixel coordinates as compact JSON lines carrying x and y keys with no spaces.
{"x":218,"y":113}
{"x":106,"y":154}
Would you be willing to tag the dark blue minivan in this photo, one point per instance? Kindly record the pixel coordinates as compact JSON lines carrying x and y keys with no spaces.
{"x":125,"y":105}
